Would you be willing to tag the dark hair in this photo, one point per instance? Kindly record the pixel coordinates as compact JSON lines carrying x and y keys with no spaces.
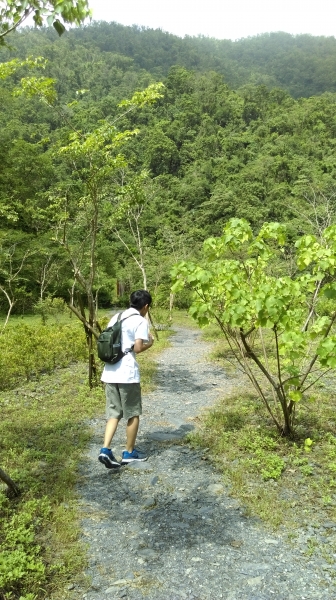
{"x":140,"y":298}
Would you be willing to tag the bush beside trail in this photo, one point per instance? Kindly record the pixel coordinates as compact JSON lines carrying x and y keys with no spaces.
{"x":26,"y":351}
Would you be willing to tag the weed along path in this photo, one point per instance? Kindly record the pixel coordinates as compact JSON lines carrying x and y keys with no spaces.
{"x":167,"y":529}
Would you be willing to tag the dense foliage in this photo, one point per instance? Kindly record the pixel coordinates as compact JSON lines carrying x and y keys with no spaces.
{"x":203,"y":154}
{"x":303,"y":65}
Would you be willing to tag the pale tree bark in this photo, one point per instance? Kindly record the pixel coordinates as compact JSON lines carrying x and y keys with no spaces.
{"x":11,"y":303}
{"x":12,"y":277}
{"x":179,"y":252}
{"x":171,"y":305}
{"x":323,"y":211}
{"x":46,"y":275}
{"x":133,"y":218}
{"x":140,"y":259}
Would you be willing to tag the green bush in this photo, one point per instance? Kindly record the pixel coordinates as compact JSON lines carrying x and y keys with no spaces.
{"x":50,"y":307}
{"x":27,"y":351}
{"x":20,"y":561}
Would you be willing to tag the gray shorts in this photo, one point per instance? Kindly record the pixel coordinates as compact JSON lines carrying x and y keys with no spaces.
{"x":123,"y":400}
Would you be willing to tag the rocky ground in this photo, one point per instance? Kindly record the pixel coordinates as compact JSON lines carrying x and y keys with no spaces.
{"x":167,"y":529}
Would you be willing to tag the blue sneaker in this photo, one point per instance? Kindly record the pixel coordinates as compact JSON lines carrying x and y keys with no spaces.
{"x":106,"y":458}
{"x":136,"y":455}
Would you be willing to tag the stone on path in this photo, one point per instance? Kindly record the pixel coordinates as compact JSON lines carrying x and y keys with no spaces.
{"x":215,"y":488}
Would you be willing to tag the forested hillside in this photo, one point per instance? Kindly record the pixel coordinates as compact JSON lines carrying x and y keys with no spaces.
{"x":203,"y":153}
{"x":303,"y":65}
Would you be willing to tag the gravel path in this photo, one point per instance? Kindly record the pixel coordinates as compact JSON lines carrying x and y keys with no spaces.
{"x":167,"y":529}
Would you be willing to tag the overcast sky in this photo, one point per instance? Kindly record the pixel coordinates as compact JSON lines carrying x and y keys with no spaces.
{"x":222,"y":19}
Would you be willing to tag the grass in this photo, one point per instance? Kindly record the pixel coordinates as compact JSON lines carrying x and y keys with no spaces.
{"x":181,"y":318}
{"x":277,"y":479}
{"x":33,"y":319}
{"x":43,"y":435}
{"x":288,"y":483}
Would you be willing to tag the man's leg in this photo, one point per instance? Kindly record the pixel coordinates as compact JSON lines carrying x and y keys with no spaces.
{"x":131,"y":433}
{"x":113,"y":415}
{"x":130,"y":394}
{"x":111,"y":428}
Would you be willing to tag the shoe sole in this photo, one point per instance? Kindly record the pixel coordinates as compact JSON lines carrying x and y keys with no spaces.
{"x":109,"y":464}
{"x":126,"y":461}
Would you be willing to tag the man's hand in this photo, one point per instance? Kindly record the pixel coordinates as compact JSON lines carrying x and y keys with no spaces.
{"x":141,"y":346}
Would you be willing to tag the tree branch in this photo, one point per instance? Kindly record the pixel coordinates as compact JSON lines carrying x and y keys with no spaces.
{"x":11,"y":484}
{"x":28,"y":12}
{"x":83,"y":320}
{"x":116,"y":232}
{"x":314,"y":359}
{"x":312,"y":306}
{"x":313,"y":383}
{"x":254,"y":357}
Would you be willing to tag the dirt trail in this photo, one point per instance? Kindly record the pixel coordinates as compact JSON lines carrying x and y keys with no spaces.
{"x":167,"y":529}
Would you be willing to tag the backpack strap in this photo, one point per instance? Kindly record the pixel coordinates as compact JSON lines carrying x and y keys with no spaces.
{"x":128,"y":316}
{"x":121,"y":320}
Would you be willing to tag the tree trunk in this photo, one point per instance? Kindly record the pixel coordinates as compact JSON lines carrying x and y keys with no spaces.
{"x":12,"y":486}
{"x":92,"y":364}
{"x":171,"y":304}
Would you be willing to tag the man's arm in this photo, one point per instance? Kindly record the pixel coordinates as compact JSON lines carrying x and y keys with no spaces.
{"x":141,"y":346}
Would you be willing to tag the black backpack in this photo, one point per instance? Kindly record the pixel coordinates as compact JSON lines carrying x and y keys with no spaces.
{"x":109,"y":343}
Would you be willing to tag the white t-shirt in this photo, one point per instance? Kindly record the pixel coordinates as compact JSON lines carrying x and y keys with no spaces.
{"x":127,"y":370}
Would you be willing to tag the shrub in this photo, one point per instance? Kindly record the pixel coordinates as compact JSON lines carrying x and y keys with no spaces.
{"x":20,"y":561}
{"x":50,"y":307}
{"x":27,"y":351}
{"x":240,"y":284}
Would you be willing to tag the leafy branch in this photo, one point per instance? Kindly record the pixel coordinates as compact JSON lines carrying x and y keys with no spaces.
{"x":241,"y":296}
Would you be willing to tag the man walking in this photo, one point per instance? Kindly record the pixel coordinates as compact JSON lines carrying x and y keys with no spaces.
{"x":122,"y":379}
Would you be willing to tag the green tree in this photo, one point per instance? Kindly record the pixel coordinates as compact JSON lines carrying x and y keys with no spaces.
{"x":78,"y":203}
{"x":240,"y":287}
{"x":94,"y":158}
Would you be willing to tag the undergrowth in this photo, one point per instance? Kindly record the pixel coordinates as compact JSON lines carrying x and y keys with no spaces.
{"x":26,"y":351}
{"x":287,"y":482}
{"x":43,"y":435}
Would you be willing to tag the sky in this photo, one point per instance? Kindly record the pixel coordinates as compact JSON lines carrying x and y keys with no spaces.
{"x":222,"y":19}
